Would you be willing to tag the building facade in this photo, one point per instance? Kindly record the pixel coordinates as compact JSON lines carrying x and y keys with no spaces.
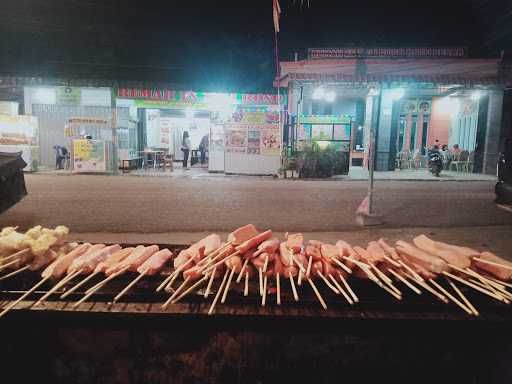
{"x":413,"y":98}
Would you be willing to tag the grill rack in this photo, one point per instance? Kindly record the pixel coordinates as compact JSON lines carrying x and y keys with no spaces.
{"x":371,"y":297}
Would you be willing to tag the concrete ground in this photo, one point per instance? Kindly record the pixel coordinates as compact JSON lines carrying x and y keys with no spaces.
{"x":181,"y":210}
{"x":355,"y":174}
{"x":159,"y":205}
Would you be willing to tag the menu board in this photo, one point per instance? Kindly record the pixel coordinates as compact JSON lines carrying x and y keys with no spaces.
{"x":252,"y":139}
{"x":89,"y":156}
{"x":236,"y":139}
{"x":321,"y":132}
{"x":270,"y":142}
{"x":253,"y":142}
{"x":341,"y":132}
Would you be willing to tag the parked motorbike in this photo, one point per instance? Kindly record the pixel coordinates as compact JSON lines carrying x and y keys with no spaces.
{"x":435,"y":162}
{"x":503,"y":188}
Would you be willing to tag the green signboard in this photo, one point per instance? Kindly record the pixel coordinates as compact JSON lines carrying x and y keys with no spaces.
{"x":68,"y":95}
{"x":325,"y":119}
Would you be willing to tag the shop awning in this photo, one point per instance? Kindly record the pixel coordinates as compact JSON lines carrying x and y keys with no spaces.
{"x":424,"y":79}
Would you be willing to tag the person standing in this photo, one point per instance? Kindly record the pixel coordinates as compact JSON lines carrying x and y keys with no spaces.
{"x":185,"y":147}
{"x":203,"y":148}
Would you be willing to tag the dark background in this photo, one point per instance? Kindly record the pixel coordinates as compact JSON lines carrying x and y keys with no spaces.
{"x":226,"y":45}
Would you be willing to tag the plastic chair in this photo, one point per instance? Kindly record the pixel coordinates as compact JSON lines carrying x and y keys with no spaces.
{"x":455,"y":161}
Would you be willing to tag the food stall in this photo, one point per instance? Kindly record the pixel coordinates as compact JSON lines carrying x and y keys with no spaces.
{"x":19,"y":133}
{"x":243,"y":130}
{"x":225,"y":328}
{"x":90,"y":145}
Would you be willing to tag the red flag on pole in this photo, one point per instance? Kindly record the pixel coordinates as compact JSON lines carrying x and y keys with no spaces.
{"x":276,"y":14}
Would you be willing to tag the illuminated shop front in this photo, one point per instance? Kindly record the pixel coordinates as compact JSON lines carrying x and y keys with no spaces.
{"x":243,"y":130}
{"x":413,"y":98}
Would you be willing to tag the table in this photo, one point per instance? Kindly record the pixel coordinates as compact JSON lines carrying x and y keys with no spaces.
{"x":147,"y":153}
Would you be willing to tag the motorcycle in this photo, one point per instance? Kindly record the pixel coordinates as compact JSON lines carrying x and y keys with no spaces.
{"x":435,"y":163}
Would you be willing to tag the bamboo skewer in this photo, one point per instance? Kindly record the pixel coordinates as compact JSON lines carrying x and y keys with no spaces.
{"x":246,"y":288}
{"x":431,"y":290}
{"x":209,"y":268}
{"x":493,"y":263}
{"x":451,"y":297}
{"x":328,"y":283}
{"x":294,"y":290}
{"x":165,"y":282}
{"x":78,"y":285}
{"x":500,"y":282}
{"x":228,"y":284}
{"x":265,"y":265}
{"x":342,"y":266}
{"x":14,"y":273}
{"x":411,"y":271}
{"x":299,"y":279}
{"x":310,"y":262}
{"x":476,"y":287}
{"x":191,"y":288}
{"x":176,"y":273}
{"x":239,"y":278}
{"x":403,"y":280}
{"x":3,"y":266}
{"x":301,"y":267}
{"x":264,"y":296}
{"x":19,"y":299}
{"x":176,"y":292}
{"x":392,"y":262}
{"x":92,"y":291}
{"x":210,"y":282}
{"x":463,"y":297}
{"x":260,"y":275}
{"x":127,"y":288}
{"x":315,"y":289}
{"x":219,"y":291}
{"x":214,"y":254}
{"x":106,"y":280}
{"x":345,"y":283}
{"x":278,"y":289}
{"x":386,"y":280}
{"x":16,"y":255}
{"x":366,"y":269}
{"x":391,"y":292}
{"x":500,"y":291}
{"x":485,"y":283}
{"x":342,"y":291}
{"x":57,"y":286}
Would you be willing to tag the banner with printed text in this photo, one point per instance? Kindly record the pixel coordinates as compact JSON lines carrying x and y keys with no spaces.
{"x":89,"y":156}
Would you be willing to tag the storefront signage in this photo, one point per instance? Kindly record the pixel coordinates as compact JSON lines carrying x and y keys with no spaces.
{"x":89,"y":156}
{"x":325,"y":119}
{"x":168,"y":104}
{"x":18,"y":130}
{"x":411,"y":52}
{"x":189,"y":98}
{"x":88,"y":120}
{"x":67,"y":95}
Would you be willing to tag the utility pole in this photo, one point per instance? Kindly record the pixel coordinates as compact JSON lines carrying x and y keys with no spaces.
{"x":372,"y":152}
{"x":113,"y":107}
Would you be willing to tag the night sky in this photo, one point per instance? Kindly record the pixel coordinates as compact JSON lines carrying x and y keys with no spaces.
{"x":223,"y":44}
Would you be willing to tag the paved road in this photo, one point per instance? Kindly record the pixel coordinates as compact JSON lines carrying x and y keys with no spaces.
{"x":156,"y":205}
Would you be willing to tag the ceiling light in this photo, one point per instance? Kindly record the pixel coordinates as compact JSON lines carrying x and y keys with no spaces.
{"x":330,"y":96}
{"x":318,"y":93}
